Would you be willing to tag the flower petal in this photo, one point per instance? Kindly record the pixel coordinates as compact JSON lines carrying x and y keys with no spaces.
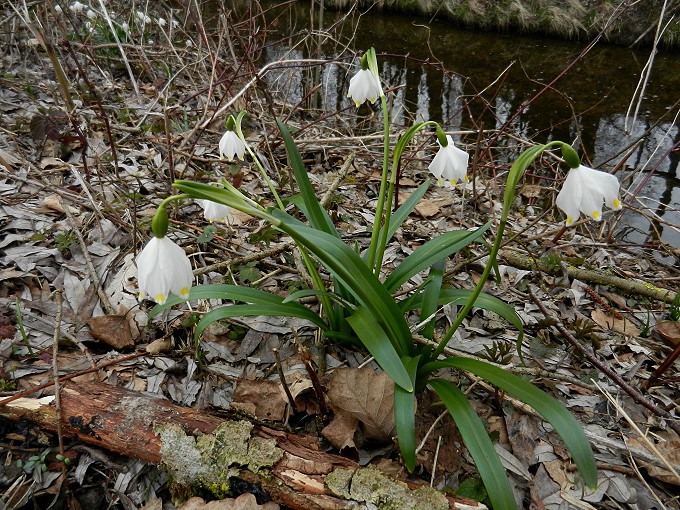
{"x":162,"y":268}
{"x":231,"y":145}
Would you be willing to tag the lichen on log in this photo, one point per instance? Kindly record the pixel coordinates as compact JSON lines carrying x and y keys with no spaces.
{"x":214,"y":458}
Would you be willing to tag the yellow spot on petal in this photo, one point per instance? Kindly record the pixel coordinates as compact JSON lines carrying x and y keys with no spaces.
{"x":617,"y":203}
{"x":184,"y":292}
{"x":570,"y":220}
{"x":596,"y":215}
{"x":372,"y":99}
{"x":467,"y":179}
{"x":140,"y":295}
{"x":160,"y":299}
{"x":454,"y":181}
{"x":439,"y":181}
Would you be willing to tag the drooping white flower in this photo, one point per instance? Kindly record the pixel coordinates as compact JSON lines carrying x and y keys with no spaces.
{"x":212,"y":211}
{"x":77,"y":6}
{"x":585,"y":190}
{"x":230,"y":145}
{"x":364,"y":85}
{"x":450,"y":163}
{"x":162,"y":268}
{"x":91,"y":14}
{"x":161,"y":22}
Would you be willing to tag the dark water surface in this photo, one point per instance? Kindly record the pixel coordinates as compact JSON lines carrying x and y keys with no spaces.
{"x":588,"y":105}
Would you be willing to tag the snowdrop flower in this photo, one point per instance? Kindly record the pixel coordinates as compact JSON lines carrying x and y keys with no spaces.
{"x":57,"y":9}
{"x":230,"y":143}
{"x":161,"y":22}
{"x":162,"y":268}
{"x":450,"y":162}
{"x":585,"y":190}
{"x":77,"y":7}
{"x":143,"y":17}
{"x":91,"y":14}
{"x":366,"y":83}
{"x":212,"y":211}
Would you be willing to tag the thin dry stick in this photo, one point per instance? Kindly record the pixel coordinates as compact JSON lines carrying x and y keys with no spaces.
{"x":282,"y":378}
{"x":31,"y":391}
{"x":429,"y":431}
{"x":588,"y":354}
{"x":55,"y":372}
{"x":434,"y":462}
{"x":106,"y":304}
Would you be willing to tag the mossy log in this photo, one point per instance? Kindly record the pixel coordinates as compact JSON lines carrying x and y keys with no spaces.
{"x":590,"y":276}
{"x":198,"y":447}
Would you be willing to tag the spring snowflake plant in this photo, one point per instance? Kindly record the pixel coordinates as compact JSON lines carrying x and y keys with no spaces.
{"x":358,"y":308}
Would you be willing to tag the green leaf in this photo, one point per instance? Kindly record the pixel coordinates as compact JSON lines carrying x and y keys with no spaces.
{"x":461,"y":296}
{"x":316,"y":214}
{"x":430,"y":297}
{"x":271,"y":303}
{"x":373,"y":336}
{"x":405,"y":415}
{"x":432,"y":251}
{"x":479,"y":445}
{"x":357,"y":279}
{"x":550,"y":409}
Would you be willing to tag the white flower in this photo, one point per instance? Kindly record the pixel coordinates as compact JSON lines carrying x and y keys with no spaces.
{"x":230,"y":145}
{"x":161,"y":22}
{"x":77,"y":7}
{"x":585,"y":190}
{"x":162,"y":268}
{"x":450,"y":163}
{"x":91,"y":14}
{"x":212,"y":211}
{"x":364,"y":85}
{"x":57,"y":9}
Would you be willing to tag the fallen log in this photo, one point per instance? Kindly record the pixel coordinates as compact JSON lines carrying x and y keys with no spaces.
{"x":198,"y":447}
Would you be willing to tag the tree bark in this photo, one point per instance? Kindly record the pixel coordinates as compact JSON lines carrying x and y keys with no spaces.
{"x":127,"y":422}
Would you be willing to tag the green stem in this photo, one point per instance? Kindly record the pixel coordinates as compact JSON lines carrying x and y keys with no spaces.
{"x":380,"y":207}
{"x":515,"y":174}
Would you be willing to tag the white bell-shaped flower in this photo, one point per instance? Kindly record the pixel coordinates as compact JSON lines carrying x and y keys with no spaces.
{"x":231,"y":145}
{"x":585,"y":190}
{"x":450,"y":163}
{"x":212,"y":211}
{"x":364,"y":85}
{"x":162,"y":268}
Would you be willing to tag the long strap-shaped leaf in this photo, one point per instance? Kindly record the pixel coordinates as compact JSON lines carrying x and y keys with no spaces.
{"x":373,"y":336}
{"x":461,"y":296}
{"x":431,"y":252}
{"x":550,"y":409}
{"x":405,"y":415}
{"x":479,"y":445}
{"x":346,"y":265}
{"x":316,"y":214}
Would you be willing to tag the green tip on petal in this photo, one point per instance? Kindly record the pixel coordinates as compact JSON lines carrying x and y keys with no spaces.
{"x":231,"y":123}
{"x":159,"y":222}
{"x":570,"y":156}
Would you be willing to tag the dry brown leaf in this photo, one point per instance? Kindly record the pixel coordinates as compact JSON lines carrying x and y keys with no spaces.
{"x":265,"y":398}
{"x":368,"y":397}
{"x":243,"y":502}
{"x":669,"y":449}
{"x":669,"y":331}
{"x":340,"y":431}
{"x":113,"y":330}
{"x":608,"y":322}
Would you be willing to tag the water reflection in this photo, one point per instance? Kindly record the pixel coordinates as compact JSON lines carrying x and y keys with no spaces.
{"x":588,"y":105}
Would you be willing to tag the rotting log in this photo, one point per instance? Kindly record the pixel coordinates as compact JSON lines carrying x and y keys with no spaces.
{"x":196,"y":446}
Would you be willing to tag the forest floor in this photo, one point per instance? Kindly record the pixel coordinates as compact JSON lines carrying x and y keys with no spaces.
{"x":84,"y":165}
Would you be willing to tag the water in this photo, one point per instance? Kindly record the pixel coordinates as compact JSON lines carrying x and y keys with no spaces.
{"x":446,"y":67}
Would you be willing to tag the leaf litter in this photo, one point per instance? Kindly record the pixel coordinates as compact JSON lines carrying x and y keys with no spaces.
{"x":54,"y":184}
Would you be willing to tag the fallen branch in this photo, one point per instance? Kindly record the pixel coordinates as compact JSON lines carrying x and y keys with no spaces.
{"x":588,"y":275}
{"x":197,"y":447}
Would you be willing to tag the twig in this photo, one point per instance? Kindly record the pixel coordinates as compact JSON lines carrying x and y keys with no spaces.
{"x":588,"y":354}
{"x":282,"y":378}
{"x":316,"y":383}
{"x":106,"y":304}
{"x":55,"y":371}
{"x":31,"y":391}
